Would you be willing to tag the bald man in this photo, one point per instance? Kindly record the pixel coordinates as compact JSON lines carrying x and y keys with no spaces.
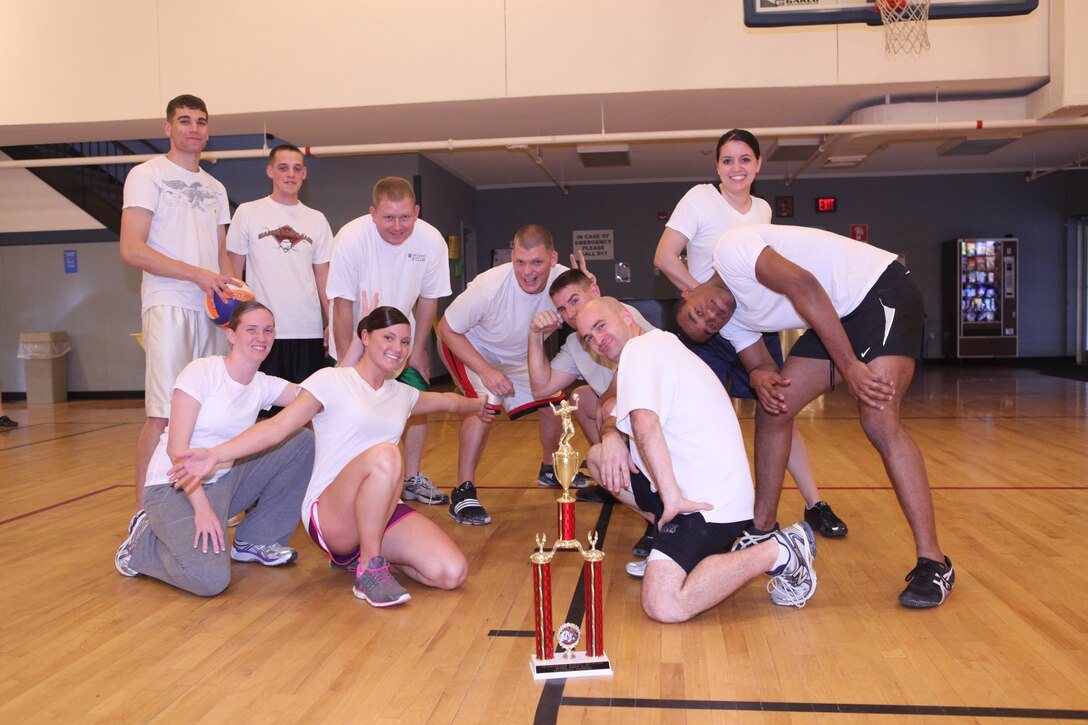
{"x":686,"y":471}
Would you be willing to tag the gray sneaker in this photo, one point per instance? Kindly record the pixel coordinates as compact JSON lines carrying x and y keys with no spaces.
{"x":419,"y":488}
{"x":796,"y":583}
{"x":123,"y":557}
{"x":268,"y":554}
{"x":377,"y":586}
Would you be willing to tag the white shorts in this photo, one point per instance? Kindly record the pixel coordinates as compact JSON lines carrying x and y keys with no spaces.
{"x":472,"y":385}
{"x":173,"y":338}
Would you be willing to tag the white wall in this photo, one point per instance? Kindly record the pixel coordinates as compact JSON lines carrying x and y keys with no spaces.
{"x":123,"y":59}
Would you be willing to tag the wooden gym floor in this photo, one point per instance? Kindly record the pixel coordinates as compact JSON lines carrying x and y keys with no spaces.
{"x":1006,"y":450}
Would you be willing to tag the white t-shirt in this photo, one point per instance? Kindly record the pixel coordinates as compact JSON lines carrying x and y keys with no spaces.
{"x":575,"y":358}
{"x":355,"y":417}
{"x":187,"y":210}
{"x":702,"y":216}
{"x":281,"y":244}
{"x":227,"y":408}
{"x":845,"y":268}
{"x":494,"y":313}
{"x":659,"y":374}
{"x":400,"y":274}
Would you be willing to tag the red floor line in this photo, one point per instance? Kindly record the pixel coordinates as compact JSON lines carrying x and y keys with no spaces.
{"x":62,"y":503}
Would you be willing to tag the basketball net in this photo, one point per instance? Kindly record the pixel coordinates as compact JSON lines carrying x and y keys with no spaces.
{"x":904,"y":25}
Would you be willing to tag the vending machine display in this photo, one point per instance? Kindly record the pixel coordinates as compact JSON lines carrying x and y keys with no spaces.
{"x":980,"y":299}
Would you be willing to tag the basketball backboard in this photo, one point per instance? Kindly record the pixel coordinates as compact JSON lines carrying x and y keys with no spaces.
{"x":770,"y":13}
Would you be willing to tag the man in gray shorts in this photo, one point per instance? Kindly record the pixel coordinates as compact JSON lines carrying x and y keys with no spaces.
{"x":686,"y":471}
{"x":865,"y":316}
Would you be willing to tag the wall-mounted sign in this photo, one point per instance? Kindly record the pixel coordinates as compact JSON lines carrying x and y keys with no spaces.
{"x":594,"y":243}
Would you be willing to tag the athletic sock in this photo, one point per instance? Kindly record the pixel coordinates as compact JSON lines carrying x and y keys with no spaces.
{"x":784,"y":556}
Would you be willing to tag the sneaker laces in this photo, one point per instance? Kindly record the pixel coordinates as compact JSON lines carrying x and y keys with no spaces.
{"x":926,"y":569}
{"x":789,"y":592}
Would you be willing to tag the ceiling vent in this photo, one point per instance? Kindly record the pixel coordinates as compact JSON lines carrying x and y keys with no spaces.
{"x":794,"y":149}
{"x":844,"y":162}
{"x":595,"y":156}
{"x":973,"y":146}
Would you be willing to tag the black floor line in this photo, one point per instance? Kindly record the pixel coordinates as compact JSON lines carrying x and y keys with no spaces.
{"x":551,"y":699}
{"x":843,"y":707}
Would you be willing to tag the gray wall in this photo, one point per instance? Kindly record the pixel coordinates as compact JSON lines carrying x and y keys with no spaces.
{"x":908,"y":215}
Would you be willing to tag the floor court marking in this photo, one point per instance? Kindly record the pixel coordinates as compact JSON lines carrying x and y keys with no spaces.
{"x":70,"y":435}
{"x":551,"y":698}
{"x":28,"y":514}
{"x":842,"y":708}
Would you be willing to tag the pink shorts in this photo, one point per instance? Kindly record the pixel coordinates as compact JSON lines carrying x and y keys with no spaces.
{"x":314,"y":530}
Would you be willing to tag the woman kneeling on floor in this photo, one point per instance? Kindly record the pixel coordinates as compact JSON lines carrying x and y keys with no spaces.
{"x":352,"y":508}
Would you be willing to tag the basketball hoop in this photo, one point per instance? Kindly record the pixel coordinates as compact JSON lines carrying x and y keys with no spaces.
{"x":904,"y":25}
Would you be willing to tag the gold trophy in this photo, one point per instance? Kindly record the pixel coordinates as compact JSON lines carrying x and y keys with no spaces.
{"x":565,"y":461}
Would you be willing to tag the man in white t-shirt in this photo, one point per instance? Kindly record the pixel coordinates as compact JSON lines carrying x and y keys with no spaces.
{"x":173,"y":227}
{"x":574,"y":361}
{"x":686,"y":471}
{"x":484,"y":347}
{"x":405,"y":261}
{"x":283,"y":247}
{"x":865,"y":318}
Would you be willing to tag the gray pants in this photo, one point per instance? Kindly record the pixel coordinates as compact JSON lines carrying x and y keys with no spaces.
{"x":277,"y":477}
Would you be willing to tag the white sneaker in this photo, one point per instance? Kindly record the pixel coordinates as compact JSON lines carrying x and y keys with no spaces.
{"x":636,"y":568}
{"x":419,"y":488}
{"x":796,"y":584}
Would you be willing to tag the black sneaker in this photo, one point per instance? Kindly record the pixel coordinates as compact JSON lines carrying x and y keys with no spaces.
{"x":930,"y":583}
{"x":645,"y":544}
{"x":465,"y":508}
{"x":824,"y":521}
{"x":6,"y":422}
{"x":546,"y":477}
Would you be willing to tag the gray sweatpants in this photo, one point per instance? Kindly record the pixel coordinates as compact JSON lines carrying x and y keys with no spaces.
{"x":277,"y":477}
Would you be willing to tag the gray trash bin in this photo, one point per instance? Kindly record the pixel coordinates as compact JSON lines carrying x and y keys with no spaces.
{"x":45,"y":361}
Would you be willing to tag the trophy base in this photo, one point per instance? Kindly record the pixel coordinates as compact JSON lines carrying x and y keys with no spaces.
{"x":568,"y":545}
{"x":580,"y":665}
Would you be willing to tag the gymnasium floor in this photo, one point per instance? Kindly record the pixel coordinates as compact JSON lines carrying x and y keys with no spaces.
{"x":1007,"y":451}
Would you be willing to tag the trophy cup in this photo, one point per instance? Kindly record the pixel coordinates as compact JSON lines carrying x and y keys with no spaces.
{"x":593,"y":661}
{"x":565,"y":461}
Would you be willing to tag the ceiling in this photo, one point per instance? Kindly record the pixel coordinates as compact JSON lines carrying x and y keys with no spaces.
{"x":786,"y":111}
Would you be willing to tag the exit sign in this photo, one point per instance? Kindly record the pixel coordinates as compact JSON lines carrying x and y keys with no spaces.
{"x":826,"y":204}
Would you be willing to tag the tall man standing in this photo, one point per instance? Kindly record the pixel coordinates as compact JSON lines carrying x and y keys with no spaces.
{"x":283,"y":246}
{"x":405,"y":260}
{"x":864,"y":315}
{"x":173,"y":227}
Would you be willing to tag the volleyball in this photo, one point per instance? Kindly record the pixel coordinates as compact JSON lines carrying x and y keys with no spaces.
{"x":220,"y":311}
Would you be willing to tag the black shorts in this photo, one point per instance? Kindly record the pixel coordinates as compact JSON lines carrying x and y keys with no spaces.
{"x":887,"y":322}
{"x":722,"y":357}
{"x":294,"y":360}
{"x":688,"y":538}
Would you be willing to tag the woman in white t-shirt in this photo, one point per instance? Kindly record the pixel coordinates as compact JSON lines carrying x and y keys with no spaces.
{"x":352,"y":507}
{"x":180,"y":539}
{"x":704,"y":213}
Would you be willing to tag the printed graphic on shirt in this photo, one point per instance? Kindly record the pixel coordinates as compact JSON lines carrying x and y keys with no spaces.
{"x":196,"y":195}
{"x":286,"y":237}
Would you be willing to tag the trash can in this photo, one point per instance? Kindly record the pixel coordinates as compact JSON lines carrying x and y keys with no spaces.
{"x":45,"y":361}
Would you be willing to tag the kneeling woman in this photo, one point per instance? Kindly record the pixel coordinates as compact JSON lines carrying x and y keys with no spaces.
{"x":180,"y":538}
{"x":352,"y":508}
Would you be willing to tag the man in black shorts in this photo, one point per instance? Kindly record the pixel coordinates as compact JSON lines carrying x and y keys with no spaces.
{"x":865,"y":317}
{"x":686,"y":471}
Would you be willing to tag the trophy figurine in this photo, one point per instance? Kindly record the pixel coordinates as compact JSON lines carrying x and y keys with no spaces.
{"x":566,"y":460}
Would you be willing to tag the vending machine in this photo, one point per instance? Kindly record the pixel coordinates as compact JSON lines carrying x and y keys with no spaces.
{"x":980,"y":299}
